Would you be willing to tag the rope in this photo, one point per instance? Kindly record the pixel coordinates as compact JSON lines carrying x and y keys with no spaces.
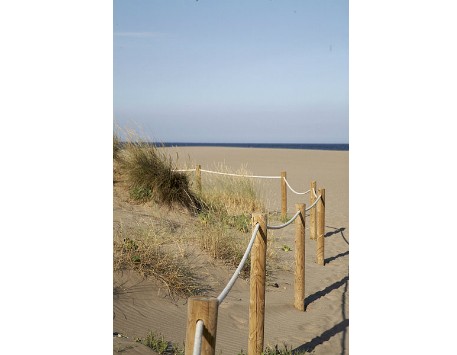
{"x":230,"y":284}
{"x":285,"y":224}
{"x":198,"y":337}
{"x":248,"y":176}
{"x":317,"y":199}
{"x":290,"y":187}
{"x":314,"y":192}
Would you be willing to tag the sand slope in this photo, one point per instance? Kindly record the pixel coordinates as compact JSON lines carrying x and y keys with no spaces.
{"x":142,"y":305}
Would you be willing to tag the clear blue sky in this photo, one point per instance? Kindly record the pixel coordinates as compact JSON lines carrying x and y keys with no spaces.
{"x":237,"y":71}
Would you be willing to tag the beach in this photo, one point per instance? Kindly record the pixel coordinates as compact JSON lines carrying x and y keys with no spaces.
{"x":323,"y":328}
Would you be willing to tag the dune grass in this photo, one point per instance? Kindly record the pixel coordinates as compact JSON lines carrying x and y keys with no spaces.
{"x":157,"y":342}
{"x":225,"y":225}
{"x":145,"y":250}
{"x":151,"y":175}
{"x":223,"y":209}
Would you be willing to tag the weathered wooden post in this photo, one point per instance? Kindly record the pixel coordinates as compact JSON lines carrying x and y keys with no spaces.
{"x":312,"y":212}
{"x":198,"y":178}
{"x":320,"y":227}
{"x":299,"y":284}
{"x":204,"y":308}
{"x":283,"y":195}
{"x":257,"y":286}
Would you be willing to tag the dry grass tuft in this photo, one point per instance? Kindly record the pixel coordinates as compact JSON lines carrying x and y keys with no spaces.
{"x":148,"y":254}
{"x":150,"y":175}
{"x":234,"y":195}
{"x":225,"y":224}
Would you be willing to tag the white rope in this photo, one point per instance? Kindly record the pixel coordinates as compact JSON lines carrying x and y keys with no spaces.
{"x":314,"y":192}
{"x":317,"y":199}
{"x":230,"y":284}
{"x":285,"y":224}
{"x":248,"y":176}
{"x":290,"y":187}
{"x":198,"y":337}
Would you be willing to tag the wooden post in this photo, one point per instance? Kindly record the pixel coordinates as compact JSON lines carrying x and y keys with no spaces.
{"x":257,"y":286}
{"x":312,"y":212}
{"x":320,"y":227}
{"x":204,"y":308}
{"x":198,"y":178}
{"x":283,"y":195}
{"x":299,"y":284}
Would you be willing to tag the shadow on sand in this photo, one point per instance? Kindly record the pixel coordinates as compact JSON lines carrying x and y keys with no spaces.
{"x":315,"y":296}
{"x":336,"y":231}
{"x":328,"y":260}
{"x":325,"y":336}
{"x":340,"y":327}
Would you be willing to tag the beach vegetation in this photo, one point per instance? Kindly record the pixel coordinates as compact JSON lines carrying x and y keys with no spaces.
{"x":151,"y":175}
{"x":157,"y":342}
{"x":277,"y":350}
{"x":116,"y":145}
{"x":146,"y":252}
{"x":226,"y":219}
{"x":223,"y":210}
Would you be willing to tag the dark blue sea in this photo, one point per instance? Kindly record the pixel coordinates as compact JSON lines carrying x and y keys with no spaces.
{"x":310,"y":146}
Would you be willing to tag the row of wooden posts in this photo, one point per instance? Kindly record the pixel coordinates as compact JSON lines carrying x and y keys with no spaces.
{"x":206,"y":308}
{"x":198,"y":178}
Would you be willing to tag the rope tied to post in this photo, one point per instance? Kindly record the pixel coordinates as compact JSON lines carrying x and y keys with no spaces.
{"x":198,"y":337}
{"x":314,"y":192}
{"x":314,"y":203}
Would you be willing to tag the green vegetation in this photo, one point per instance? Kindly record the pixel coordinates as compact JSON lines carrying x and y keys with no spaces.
{"x":157,"y":343}
{"x":116,"y":146}
{"x":226,"y":220}
{"x":149,"y":256}
{"x":276,"y":350}
{"x":151,"y":175}
{"x":223,"y":209}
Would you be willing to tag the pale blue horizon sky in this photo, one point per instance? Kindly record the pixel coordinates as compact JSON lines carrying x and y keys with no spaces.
{"x":258,"y":71}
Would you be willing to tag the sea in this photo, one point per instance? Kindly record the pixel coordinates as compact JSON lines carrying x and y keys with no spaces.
{"x":309,"y":146}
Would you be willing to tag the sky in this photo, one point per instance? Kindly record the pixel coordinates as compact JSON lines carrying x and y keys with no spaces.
{"x":265,"y":71}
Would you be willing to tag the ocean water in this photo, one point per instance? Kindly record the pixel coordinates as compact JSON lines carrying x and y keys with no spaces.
{"x":310,"y":146}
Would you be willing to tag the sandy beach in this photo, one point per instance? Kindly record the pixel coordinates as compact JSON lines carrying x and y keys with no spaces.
{"x":141,"y":304}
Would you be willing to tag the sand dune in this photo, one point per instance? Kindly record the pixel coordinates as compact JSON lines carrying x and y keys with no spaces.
{"x":142,"y":305}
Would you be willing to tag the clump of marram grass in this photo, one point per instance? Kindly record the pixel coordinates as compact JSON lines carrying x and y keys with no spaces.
{"x":276,"y":350}
{"x":150,"y":257}
{"x":157,"y":342}
{"x":233,"y":194}
{"x":230,"y":202}
{"x":116,"y":145}
{"x":150,"y":175}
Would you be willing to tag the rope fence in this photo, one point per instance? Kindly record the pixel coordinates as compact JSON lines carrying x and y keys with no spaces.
{"x":237,"y":272}
{"x":314,"y":203}
{"x":314,"y":192}
{"x":198,"y":337}
{"x":284,"y":183}
{"x":291,"y":189}
{"x":285,"y":224}
{"x":202,"y":311}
